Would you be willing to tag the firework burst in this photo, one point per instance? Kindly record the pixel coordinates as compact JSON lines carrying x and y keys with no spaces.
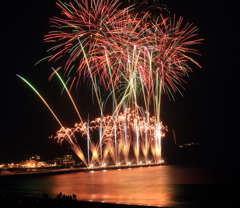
{"x":134,"y":55}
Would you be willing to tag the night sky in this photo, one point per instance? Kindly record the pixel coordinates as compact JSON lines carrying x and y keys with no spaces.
{"x":207,"y":113}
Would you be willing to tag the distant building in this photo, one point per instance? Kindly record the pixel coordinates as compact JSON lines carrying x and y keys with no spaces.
{"x":2,"y":165}
{"x":33,"y":163}
{"x":41,"y":164}
{"x":51,"y":163}
{"x":65,"y":160}
{"x":12,"y":165}
{"x":35,"y":157}
{"x":28,"y":164}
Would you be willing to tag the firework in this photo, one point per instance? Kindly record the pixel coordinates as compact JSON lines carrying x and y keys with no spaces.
{"x":134,"y":56}
{"x":65,"y":134}
{"x":140,"y":137}
{"x":128,"y":54}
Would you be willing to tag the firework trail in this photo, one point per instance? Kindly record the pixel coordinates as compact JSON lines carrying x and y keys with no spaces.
{"x":64,"y":133}
{"x":131,"y":54}
{"x":126,"y":53}
{"x":140,"y":138}
{"x":129,"y":121}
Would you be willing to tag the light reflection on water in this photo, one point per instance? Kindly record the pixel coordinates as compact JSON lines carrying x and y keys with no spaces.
{"x":134,"y":186}
{"x":156,"y":186}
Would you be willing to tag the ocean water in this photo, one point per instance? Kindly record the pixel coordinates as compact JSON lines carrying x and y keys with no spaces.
{"x":162,"y":186}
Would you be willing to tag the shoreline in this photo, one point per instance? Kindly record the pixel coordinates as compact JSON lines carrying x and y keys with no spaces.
{"x":29,"y":201}
{"x":74,"y":170}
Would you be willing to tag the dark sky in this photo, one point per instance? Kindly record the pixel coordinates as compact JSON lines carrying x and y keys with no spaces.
{"x":208,"y":112}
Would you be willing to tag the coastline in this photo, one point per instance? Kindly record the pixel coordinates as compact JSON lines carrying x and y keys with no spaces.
{"x":43,"y":171}
{"x":183,"y":195}
{"x":15,"y":200}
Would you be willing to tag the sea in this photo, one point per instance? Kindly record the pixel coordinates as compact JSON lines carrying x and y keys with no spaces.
{"x":156,"y":186}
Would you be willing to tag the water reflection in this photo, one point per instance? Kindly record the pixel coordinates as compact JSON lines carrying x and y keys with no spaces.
{"x":146,"y":186}
{"x":165,"y":186}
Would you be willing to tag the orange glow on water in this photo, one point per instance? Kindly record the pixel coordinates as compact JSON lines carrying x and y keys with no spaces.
{"x":124,"y":186}
{"x":164,"y":186}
